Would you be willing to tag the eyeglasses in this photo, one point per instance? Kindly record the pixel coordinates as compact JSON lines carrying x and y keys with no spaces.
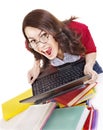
{"x":42,"y":39}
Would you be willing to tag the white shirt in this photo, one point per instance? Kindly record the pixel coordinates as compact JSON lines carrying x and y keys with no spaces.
{"x":67,"y":58}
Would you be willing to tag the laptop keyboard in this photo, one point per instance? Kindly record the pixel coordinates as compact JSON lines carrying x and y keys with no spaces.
{"x":65,"y":73}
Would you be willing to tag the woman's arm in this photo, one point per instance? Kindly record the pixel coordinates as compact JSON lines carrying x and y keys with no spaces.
{"x":34,"y":71}
{"x":90,"y":59}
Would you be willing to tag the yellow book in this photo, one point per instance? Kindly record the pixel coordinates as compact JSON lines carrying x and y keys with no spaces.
{"x":90,"y":94}
{"x":61,"y":105}
{"x":82,"y":103}
{"x":12,"y":107}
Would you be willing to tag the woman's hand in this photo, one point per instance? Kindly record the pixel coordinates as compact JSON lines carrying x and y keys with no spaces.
{"x":33,"y":73}
{"x":89,"y":70}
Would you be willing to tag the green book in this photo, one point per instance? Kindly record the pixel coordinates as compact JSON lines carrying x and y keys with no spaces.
{"x":69,"y":118}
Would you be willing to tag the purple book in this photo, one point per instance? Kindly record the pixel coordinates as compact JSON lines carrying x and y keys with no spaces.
{"x":94,"y":120}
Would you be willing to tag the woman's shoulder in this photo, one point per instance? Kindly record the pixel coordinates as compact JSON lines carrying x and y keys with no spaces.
{"x":75,"y":25}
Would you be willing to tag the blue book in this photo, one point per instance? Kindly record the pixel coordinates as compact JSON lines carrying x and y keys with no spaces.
{"x":69,"y":118}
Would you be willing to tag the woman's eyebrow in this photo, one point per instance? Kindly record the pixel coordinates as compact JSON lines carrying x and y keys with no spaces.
{"x":42,"y":32}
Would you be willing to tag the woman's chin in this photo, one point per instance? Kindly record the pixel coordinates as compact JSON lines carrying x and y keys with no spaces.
{"x":51,"y":57}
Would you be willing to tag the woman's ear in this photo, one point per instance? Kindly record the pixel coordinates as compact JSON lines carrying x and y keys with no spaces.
{"x":27,"y":45}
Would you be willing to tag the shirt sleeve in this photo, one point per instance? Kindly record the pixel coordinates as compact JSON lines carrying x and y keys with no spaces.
{"x":88,"y":41}
{"x":86,"y":37}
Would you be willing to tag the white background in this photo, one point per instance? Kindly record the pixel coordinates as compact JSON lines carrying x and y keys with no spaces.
{"x":15,"y":60}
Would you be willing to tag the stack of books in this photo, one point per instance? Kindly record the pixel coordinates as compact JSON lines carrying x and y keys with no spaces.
{"x":48,"y":117}
{"x":72,"y":102}
{"x":72,"y":118}
{"x":70,"y":111}
{"x":81,"y":97}
{"x":77,"y":96}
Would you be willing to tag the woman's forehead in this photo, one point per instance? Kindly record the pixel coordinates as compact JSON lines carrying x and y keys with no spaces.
{"x":32,"y":32}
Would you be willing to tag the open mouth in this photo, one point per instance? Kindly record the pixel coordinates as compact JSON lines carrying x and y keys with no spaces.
{"x":48,"y":51}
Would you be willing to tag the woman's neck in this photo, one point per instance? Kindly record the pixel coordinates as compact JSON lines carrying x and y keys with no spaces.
{"x":60,"y":54}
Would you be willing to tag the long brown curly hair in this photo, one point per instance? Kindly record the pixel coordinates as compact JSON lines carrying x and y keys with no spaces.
{"x":68,"y":40}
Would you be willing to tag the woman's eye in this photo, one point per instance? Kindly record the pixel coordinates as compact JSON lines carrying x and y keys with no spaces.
{"x":32,"y":41}
{"x":44,"y":35}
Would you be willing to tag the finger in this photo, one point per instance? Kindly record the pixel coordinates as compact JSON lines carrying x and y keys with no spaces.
{"x":90,"y":81}
{"x":30,"y":79}
{"x":95,"y":77}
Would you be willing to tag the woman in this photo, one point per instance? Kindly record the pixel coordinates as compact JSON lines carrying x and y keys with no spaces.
{"x":57,"y":42}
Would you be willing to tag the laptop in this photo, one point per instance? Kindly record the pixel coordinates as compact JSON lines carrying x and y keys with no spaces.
{"x":55,"y":81}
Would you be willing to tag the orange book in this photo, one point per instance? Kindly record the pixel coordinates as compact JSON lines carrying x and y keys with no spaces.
{"x":72,"y":97}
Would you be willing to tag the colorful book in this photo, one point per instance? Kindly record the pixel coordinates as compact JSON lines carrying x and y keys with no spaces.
{"x":12,"y":107}
{"x":95,"y":120}
{"x":34,"y":118}
{"x":85,"y":100}
{"x":69,"y":118}
{"x":89,"y":95}
{"x":72,"y":97}
{"x":88,"y":123}
{"x":80,"y":104}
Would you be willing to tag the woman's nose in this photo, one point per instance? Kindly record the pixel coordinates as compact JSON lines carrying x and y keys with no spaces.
{"x":41,"y":45}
